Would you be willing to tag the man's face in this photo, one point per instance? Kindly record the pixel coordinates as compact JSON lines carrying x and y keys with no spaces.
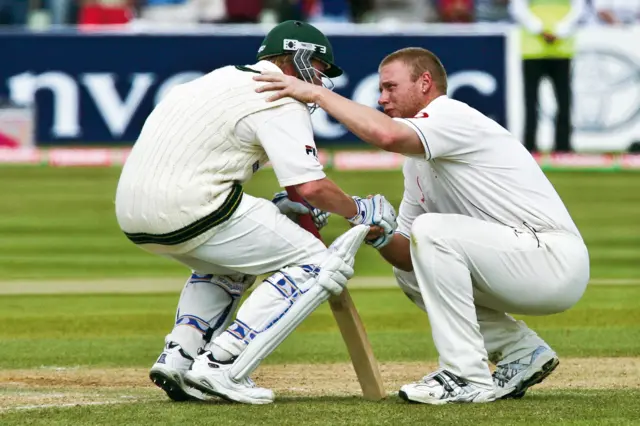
{"x":399,"y":96}
{"x":318,"y":66}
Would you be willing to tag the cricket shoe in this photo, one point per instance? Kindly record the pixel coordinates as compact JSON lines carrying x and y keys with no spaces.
{"x":514,"y":378}
{"x":212,"y":377}
{"x":444,"y":387}
{"x":168,"y":374}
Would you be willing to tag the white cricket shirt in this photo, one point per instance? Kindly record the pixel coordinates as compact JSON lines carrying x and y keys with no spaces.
{"x":199,"y":145}
{"x":474,"y":167}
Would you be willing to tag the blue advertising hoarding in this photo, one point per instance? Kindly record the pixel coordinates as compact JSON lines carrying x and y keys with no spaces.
{"x":97,"y":89}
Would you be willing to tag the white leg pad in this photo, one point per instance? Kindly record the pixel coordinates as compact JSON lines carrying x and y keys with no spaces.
{"x":265,"y":342}
{"x":286,"y":299}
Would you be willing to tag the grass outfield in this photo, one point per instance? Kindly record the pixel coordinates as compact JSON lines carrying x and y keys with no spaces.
{"x":84,"y":359}
{"x":58,"y":223}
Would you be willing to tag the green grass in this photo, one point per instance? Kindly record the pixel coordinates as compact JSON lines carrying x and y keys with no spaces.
{"x":560,"y":407}
{"x":59,"y":222}
{"x":128,"y":330}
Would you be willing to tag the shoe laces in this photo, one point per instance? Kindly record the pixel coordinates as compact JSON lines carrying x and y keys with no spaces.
{"x":504,"y":373}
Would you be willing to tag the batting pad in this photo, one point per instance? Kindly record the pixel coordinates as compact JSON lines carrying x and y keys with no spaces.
{"x":266,"y":342}
{"x":311,"y":294}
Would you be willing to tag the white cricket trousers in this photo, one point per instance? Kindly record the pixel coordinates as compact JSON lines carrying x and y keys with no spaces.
{"x":468,"y":274}
{"x":256,"y":240}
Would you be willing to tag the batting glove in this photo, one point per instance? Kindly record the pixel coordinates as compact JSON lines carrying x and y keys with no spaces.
{"x":375,"y":211}
{"x":292,"y":210}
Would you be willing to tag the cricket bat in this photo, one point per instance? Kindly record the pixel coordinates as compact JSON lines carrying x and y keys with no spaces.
{"x":351,"y":327}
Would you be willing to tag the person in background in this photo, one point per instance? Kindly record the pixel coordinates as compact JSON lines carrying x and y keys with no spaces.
{"x":14,"y":13}
{"x":243,"y":11}
{"x":616,"y":12}
{"x":174,"y":11}
{"x":405,"y":11}
{"x":547,"y":49}
{"x":105,"y":12}
{"x":492,"y":11}
{"x":329,"y":11}
{"x":455,"y":11}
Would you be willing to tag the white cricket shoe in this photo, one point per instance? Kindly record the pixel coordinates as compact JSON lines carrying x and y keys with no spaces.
{"x":443,"y":387}
{"x":514,"y":378}
{"x":212,"y":377}
{"x":168,"y":374}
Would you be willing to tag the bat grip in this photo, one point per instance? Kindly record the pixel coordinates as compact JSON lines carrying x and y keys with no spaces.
{"x":305,"y":221}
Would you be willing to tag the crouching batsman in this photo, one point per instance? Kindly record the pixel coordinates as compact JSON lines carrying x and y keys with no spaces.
{"x":181,"y":196}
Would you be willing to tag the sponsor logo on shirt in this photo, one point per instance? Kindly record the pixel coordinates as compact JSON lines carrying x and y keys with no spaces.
{"x":311,"y":151}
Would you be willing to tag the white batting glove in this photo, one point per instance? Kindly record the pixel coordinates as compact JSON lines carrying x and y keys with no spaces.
{"x":334,"y":274}
{"x":337,"y":269}
{"x":375,"y":211}
{"x":292,"y":210}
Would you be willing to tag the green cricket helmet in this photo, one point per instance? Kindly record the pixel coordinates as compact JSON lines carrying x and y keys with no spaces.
{"x":304,"y":42}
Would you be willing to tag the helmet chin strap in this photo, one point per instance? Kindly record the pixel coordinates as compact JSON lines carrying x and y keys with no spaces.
{"x":306,"y":71}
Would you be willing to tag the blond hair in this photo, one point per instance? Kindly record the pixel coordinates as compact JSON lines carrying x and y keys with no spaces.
{"x":420,"y":60}
{"x":280,"y":60}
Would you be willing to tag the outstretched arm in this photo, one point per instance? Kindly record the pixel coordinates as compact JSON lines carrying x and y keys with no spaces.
{"x":369,"y":124}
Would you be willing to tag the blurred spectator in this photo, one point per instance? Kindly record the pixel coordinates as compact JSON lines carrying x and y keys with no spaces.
{"x":105,"y":12}
{"x":547,"y":49}
{"x":360,"y":9}
{"x":455,"y":11}
{"x":293,"y":9}
{"x":404,"y":11}
{"x":329,"y":11}
{"x":492,"y":11}
{"x":14,"y":12}
{"x":617,"y":12}
{"x":173,"y":11}
{"x":60,"y":11}
{"x":243,"y":11}
{"x":210,"y":11}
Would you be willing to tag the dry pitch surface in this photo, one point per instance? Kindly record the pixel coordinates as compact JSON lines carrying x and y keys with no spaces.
{"x":56,"y":387}
{"x":46,"y":387}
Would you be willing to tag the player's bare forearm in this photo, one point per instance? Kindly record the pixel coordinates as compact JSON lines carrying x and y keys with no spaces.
{"x":398,"y":253}
{"x":369,"y":124}
{"x":325,"y":195}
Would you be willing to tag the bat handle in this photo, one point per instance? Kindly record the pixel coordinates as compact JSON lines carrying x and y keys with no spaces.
{"x":305,"y":221}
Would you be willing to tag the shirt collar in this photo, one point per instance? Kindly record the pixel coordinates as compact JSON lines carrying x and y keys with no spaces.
{"x":266,"y":66}
{"x":433,"y":105}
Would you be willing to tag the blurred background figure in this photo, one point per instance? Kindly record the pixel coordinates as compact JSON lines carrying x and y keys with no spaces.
{"x":330,"y":11}
{"x":243,"y":11}
{"x":492,"y":11}
{"x":105,"y":12}
{"x":455,"y":11}
{"x":14,"y":12}
{"x":314,"y":10}
{"x":616,"y":12}
{"x":547,"y":50}
{"x":172,"y":11}
{"x":404,"y":11}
